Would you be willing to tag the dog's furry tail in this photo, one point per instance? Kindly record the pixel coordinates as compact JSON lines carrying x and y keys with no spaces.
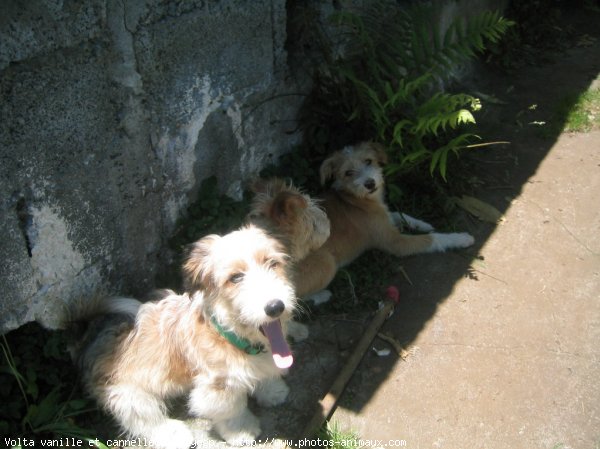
{"x":85,"y":310}
{"x":84,"y":318}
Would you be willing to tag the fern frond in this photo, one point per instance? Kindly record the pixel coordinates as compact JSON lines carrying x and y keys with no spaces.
{"x":433,"y":123}
{"x":405,"y":91}
{"x":444,"y":103}
{"x":463,"y":39}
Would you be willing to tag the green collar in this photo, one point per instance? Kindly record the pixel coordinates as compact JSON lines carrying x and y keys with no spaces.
{"x":237,"y":341}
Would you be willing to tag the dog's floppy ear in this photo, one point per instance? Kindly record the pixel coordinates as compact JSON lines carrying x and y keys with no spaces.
{"x":197,"y":267}
{"x":380,"y":152}
{"x":286,"y":206}
{"x":327,"y":170}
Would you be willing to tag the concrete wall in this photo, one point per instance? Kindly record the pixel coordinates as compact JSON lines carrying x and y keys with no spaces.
{"x":112,"y":112}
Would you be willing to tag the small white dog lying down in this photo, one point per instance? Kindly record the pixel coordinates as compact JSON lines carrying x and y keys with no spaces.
{"x":217,"y":345}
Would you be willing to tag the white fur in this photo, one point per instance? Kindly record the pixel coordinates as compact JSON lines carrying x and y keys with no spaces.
{"x":271,"y":392}
{"x":442,"y":242}
{"x":239,"y":430}
{"x":125,"y":306}
{"x":298,"y":331}
{"x":173,"y":434}
{"x":320,"y":297}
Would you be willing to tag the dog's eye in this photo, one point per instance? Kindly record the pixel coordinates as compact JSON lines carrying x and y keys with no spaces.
{"x":349,"y":173}
{"x":368,"y":161}
{"x":236,"y":278}
{"x":274,"y":264}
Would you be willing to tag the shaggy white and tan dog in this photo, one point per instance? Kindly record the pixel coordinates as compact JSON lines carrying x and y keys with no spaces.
{"x":360,"y":220}
{"x":215,"y":346}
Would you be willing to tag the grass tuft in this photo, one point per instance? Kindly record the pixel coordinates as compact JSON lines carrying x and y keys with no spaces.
{"x":582,"y":112}
{"x":338,"y":438}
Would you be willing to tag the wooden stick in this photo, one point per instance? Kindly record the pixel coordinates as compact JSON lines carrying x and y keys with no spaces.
{"x":327,"y":404}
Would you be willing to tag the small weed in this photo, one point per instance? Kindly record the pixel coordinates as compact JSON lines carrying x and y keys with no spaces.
{"x":338,"y":438}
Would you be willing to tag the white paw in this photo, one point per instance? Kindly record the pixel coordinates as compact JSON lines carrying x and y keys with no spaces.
{"x":442,"y":242}
{"x":297,"y":331}
{"x":462,"y":240}
{"x":200,"y":428}
{"x":271,"y":392}
{"x":241,"y":430}
{"x":320,"y":297}
{"x":172,"y":434}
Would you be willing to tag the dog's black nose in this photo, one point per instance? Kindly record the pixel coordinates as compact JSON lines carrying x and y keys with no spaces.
{"x":274,"y":308}
{"x":370,"y":184}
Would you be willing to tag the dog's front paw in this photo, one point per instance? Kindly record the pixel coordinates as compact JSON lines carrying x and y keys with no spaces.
{"x":442,"y":242}
{"x":463,"y":240}
{"x":320,"y":297}
{"x":200,"y":428}
{"x":241,"y":430}
{"x":271,"y":392}
{"x":297,"y":331}
{"x":172,"y":434}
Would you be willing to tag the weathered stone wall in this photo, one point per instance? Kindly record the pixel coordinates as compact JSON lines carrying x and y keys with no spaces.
{"x":112,"y":112}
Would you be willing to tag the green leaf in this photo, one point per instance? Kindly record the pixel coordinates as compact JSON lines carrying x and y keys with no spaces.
{"x":443,"y":163}
{"x":398,"y":131}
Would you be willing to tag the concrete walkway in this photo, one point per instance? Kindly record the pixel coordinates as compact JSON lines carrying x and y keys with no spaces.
{"x":511,"y":358}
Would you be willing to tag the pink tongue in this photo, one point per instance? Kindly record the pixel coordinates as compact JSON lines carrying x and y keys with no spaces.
{"x":282,"y":356}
